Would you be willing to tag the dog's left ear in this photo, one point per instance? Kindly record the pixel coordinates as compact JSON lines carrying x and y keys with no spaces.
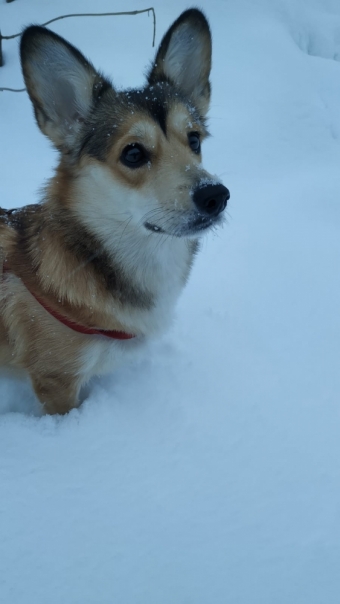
{"x":62,"y":85}
{"x":184,"y":58}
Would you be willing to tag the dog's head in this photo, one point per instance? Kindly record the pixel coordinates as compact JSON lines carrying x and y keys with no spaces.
{"x":134,"y":157}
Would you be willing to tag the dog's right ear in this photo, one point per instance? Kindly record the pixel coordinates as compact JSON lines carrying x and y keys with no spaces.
{"x":184,"y":58}
{"x":63,"y":86}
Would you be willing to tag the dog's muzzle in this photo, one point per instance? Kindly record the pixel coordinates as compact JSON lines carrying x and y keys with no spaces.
{"x":211,"y":200}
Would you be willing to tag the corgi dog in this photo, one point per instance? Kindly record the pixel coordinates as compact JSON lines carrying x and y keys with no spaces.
{"x":95,"y":268}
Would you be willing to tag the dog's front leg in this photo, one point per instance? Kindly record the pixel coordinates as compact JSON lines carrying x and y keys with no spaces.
{"x":57,"y":394}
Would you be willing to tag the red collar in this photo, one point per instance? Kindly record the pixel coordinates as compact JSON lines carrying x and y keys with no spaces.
{"x":109,"y":333}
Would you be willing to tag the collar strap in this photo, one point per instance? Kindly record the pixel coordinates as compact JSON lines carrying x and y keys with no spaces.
{"x":113,"y":334}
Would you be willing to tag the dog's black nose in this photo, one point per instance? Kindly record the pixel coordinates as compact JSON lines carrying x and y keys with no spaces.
{"x":211,"y":200}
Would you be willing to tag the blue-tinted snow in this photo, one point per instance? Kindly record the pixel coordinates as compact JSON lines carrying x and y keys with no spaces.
{"x":209,"y":472}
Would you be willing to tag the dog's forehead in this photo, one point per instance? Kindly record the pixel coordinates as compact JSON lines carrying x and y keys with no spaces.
{"x":178,"y":120}
{"x":160,"y":101}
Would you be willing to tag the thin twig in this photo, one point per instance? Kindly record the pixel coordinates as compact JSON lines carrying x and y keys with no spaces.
{"x":134,"y":12}
{"x":12,"y":89}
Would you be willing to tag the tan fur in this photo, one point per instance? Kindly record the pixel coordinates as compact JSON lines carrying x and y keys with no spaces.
{"x":111,"y":246}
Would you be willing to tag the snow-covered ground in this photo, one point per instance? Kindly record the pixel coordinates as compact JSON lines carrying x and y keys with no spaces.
{"x":209,"y":472}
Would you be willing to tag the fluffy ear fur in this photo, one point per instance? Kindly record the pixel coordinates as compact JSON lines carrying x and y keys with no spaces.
{"x":63,"y":86}
{"x":184,"y":58}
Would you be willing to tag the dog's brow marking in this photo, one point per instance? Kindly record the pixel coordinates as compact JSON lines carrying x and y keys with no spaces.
{"x":181,"y":121}
{"x":143,"y":129}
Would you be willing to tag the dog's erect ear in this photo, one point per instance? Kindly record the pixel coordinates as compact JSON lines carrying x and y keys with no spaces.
{"x":184,"y":58}
{"x":63,"y":86}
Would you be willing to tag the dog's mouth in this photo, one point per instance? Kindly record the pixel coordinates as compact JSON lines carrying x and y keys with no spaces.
{"x":202,"y":223}
{"x":154,"y":228}
{"x":187,"y":228}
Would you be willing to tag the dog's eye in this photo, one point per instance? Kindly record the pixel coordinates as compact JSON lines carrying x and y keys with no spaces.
{"x":134,"y":156}
{"x":194,"y":142}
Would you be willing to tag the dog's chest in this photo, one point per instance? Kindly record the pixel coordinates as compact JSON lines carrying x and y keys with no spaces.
{"x":165,"y":278}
